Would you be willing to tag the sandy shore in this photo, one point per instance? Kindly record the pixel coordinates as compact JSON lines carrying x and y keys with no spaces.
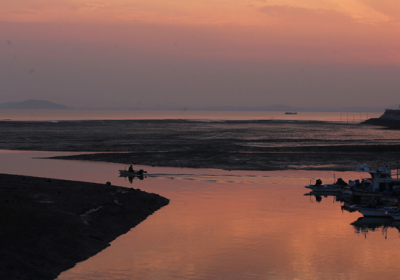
{"x":48,"y":225}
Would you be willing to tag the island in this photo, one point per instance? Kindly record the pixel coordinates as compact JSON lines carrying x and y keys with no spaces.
{"x":32,"y":104}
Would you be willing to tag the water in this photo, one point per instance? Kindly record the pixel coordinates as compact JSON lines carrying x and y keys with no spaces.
{"x":54,"y":115}
{"x":228,"y":225}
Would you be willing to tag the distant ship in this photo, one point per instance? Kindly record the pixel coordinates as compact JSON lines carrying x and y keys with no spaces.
{"x":291,"y":113}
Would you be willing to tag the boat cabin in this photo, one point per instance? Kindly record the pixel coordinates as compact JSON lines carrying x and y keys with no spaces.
{"x":381,"y":179}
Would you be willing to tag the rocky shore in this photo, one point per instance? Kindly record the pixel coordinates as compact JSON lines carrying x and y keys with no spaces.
{"x":48,"y":225}
{"x":385,"y":122}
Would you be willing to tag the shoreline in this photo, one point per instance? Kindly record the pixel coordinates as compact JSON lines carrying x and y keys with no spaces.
{"x":320,"y":158}
{"x":49,"y":225}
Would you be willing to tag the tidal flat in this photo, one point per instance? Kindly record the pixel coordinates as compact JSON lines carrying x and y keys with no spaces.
{"x":230,"y":145}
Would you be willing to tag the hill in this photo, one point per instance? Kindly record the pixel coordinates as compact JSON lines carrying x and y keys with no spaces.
{"x":32,"y":104}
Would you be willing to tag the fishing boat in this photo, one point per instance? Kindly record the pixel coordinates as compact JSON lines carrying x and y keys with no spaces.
{"x":131,"y":172}
{"x":381,"y":183}
{"x":327,"y":188}
{"x":379,"y":211}
{"x":395,"y":214}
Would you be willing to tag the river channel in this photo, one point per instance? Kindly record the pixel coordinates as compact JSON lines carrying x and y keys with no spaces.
{"x":228,"y":225}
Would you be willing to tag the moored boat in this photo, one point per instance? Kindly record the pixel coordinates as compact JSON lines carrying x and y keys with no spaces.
{"x":374,"y":208}
{"x":334,"y":188}
{"x":395,"y":214}
{"x":379,"y":211}
{"x":381,"y":184}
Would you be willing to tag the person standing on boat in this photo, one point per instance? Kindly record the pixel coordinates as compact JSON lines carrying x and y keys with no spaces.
{"x":130,"y":168}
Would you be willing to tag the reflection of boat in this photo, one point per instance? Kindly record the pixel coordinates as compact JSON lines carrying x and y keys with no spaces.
{"x":365,"y":224}
{"x":134,"y":173}
{"x":291,"y":113}
{"x":130,"y":178}
{"x":373,"y":223}
{"x":318,"y":195}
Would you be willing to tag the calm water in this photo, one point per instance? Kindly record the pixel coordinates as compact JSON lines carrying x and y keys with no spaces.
{"x":51,"y":115}
{"x":229,"y":225}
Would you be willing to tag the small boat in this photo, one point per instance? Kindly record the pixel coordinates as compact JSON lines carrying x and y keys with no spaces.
{"x":290,"y":113}
{"x":331,"y":188}
{"x":395,"y":214}
{"x":131,"y":172}
{"x":379,"y":211}
{"x":375,"y":208}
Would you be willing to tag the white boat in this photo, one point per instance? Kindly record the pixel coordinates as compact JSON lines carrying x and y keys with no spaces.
{"x":381,"y":183}
{"x":379,"y":211}
{"x":395,"y":214}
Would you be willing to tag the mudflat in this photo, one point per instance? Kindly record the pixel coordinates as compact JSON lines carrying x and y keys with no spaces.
{"x":48,"y":225}
{"x":231,"y":145}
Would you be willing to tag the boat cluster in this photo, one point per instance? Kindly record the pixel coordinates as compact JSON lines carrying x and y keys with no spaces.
{"x":382,"y":192}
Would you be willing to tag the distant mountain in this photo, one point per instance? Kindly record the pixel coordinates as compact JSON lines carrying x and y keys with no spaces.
{"x":32,"y":104}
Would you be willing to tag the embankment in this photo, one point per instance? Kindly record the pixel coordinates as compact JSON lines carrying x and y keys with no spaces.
{"x":48,"y":225}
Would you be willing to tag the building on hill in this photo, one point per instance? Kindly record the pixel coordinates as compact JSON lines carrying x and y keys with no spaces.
{"x":391,"y":114}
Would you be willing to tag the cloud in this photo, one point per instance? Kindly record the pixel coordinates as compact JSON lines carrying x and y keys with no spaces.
{"x":304,"y":15}
{"x":358,"y":12}
{"x":389,"y":8}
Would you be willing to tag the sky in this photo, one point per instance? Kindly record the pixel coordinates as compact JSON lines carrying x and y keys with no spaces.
{"x":193,"y":54}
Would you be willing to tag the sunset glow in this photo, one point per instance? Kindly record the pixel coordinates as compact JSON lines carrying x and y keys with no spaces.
{"x":283,"y":33}
{"x":245,"y":12}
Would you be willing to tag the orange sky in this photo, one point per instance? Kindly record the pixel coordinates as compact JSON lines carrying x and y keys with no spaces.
{"x":236,"y":12}
{"x":326,"y":33}
{"x":363,"y":31}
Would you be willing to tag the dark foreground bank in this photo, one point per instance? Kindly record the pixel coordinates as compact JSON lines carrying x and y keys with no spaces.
{"x":48,"y":225}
